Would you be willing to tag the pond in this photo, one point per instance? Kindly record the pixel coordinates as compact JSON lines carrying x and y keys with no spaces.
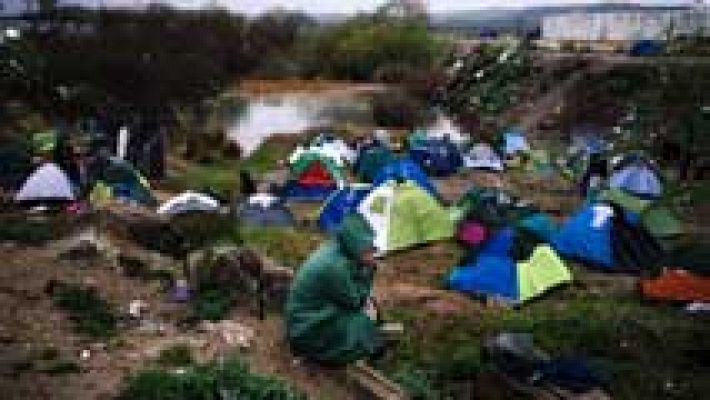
{"x":264,"y":115}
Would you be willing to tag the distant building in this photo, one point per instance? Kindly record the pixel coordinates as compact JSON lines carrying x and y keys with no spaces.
{"x":650,"y":23}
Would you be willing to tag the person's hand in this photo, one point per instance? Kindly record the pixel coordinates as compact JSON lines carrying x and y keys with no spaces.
{"x":370,"y":309}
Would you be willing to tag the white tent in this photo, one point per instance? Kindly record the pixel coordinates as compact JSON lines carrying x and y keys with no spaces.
{"x":47,"y":182}
{"x":482,"y":156}
{"x":189,"y":202}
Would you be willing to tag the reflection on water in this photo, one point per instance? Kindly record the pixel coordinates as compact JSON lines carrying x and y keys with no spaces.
{"x":266,"y":115}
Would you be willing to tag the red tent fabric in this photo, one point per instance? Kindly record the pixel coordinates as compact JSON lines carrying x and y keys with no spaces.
{"x":677,"y":285}
{"x":316,"y":175}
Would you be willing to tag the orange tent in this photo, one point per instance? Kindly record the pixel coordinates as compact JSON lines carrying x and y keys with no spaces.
{"x":677,"y":285}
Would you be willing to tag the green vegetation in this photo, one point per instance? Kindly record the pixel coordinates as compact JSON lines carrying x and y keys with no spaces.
{"x":286,"y":245}
{"x":230,"y":379}
{"x":92,"y":315}
{"x":17,"y":227}
{"x":179,"y":355}
{"x":650,"y":352}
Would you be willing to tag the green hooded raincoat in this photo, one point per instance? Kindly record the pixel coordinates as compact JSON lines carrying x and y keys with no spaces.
{"x":324,"y":312}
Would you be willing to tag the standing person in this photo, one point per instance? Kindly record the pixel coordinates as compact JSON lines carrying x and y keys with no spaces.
{"x":597,"y":172}
{"x":328,"y":312}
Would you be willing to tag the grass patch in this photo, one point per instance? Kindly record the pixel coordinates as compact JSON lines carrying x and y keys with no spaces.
{"x":61,"y":367}
{"x":230,"y":379}
{"x":93,"y":316}
{"x":17,"y":227}
{"x":650,"y":352}
{"x":288,"y":246}
{"x":179,"y":355}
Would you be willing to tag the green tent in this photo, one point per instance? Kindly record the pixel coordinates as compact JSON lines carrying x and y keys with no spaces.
{"x":493,"y":206}
{"x":542,"y":271}
{"x":403,"y":215}
{"x":44,"y":142}
{"x":305,"y":161}
{"x":126,"y":182}
{"x":371,"y":161}
{"x":657,"y":218}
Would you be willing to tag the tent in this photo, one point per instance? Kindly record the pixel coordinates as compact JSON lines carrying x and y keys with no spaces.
{"x":482,"y":156}
{"x":677,"y":285}
{"x":333,"y":147}
{"x":371,"y":159}
{"x":493,"y":207}
{"x":189,"y":202}
{"x":126,"y":182}
{"x":402,"y":214}
{"x":417,"y":138}
{"x":600,"y":235}
{"x":265,"y":210}
{"x":639,"y":178}
{"x":439,"y":157}
{"x":660,"y":221}
{"x":404,"y":169}
{"x":46,"y":183}
{"x":313,"y":176}
{"x":513,"y":141}
{"x":340,"y":203}
{"x":588,"y":144}
{"x":495,"y":273}
{"x":646,"y":48}
{"x":44,"y":142}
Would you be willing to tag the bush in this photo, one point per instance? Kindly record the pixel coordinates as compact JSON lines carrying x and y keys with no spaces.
{"x":179,"y":355}
{"x":230,"y":379}
{"x":92,"y":314}
{"x":18,"y":228}
{"x":397,"y":109}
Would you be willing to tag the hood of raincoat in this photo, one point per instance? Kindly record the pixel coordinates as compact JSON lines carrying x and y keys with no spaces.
{"x":354,"y":236}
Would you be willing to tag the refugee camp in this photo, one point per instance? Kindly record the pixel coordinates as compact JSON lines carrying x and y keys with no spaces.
{"x":373,"y":199}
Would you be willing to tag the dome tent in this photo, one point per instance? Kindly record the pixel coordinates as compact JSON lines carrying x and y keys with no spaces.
{"x":187,"y":202}
{"x":405,"y":169}
{"x":265,"y":210}
{"x":371,"y":159}
{"x":439,"y":157}
{"x":339,"y":204}
{"x":600,"y":235}
{"x":482,"y":156}
{"x":125,"y":182}
{"x":494,"y":272}
{"x":313,"y":176}
{"x":46,"y":183}
{"x":512,"y":141}
{"x":403,"y":215}
{"x":638,"y":178}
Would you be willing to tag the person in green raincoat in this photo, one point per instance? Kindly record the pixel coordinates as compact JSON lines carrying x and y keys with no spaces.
{"x":326,"y":318}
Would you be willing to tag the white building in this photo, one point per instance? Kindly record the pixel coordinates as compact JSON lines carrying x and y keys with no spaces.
{"x":624,"y":26}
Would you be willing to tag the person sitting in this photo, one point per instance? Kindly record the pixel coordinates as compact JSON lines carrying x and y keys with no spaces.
{"x":329,"y":315}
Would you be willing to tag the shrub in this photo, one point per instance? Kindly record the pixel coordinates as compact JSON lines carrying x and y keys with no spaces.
{"x":230,"y":379}
{"x":397,"y":109}
{"x":92,"y":314}
{"x":178,"y":355}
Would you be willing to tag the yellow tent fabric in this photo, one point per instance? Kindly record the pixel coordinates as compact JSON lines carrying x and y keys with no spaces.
{"x":100,"y":195}
{"x":543,"y":271}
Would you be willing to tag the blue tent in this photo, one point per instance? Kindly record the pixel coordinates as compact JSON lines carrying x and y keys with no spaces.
{"x":295,"y":192}
{"x":587,"y":236}
{"x":273,"y":215}
{"x":639,"y":179}
{"x":646,"y":48}
{"x":513,"y":141}
{"x":440,"y":157}
{"x":495,"y":273}
{"x":339,"y":204}
{"x":405,"y":169}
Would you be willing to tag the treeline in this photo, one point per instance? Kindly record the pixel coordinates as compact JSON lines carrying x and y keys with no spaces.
{"x":73,"y":60}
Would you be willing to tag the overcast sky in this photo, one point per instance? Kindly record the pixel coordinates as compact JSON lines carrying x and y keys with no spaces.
{"x":352,"y":6}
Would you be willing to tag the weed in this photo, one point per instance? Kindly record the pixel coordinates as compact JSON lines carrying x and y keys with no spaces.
{"x":179,"y":355}
{"x":230,"y":379}
{"x":61,"y":367}
{"x":92,"y":314}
